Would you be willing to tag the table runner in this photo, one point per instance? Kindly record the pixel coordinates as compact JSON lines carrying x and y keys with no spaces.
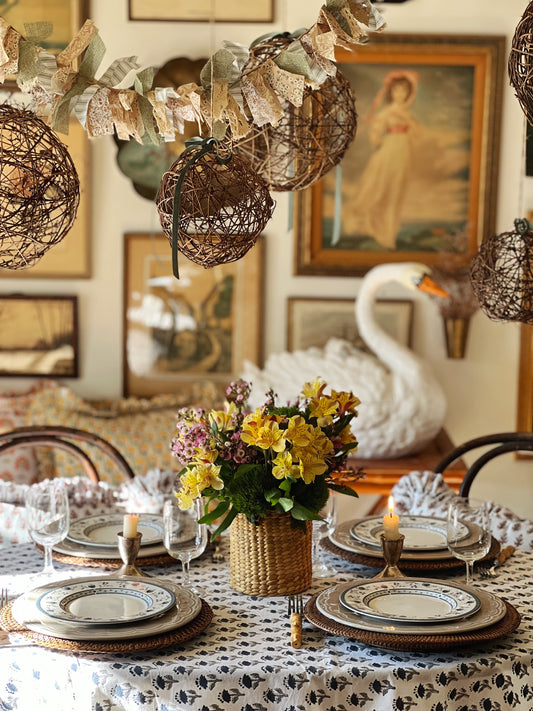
{"x":244,"y":662}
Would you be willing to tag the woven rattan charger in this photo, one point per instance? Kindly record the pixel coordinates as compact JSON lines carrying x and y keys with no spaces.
{"x":421,"y":564}
{"x":164,"y":639}
{"x":415,"y":642}
{"x":163,"y":559}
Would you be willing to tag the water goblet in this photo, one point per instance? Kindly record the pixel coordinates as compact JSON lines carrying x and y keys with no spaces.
{"x":321,"y":529}
{"x":183,"y":537}
{"x":467,"y":533}
{"x":47,"y":510}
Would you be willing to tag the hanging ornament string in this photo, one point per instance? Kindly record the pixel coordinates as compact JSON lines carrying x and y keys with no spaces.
{"x":206,"y":145}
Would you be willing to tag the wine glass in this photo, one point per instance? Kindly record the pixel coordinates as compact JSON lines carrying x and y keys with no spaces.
{"x":183,"y":537}
{"x":321,"y":529}
{"x":468,"y":534}
{"x":47,"y":510}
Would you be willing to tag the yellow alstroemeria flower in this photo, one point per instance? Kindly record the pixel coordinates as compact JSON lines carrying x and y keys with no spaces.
{"x":185,"y":499}
{"x":284,"y":467}
{"x":311,"y":467}
{"x":205,"y":455}
{"x":271,"y":437}
{"x":251,"y":425}
{"x":347,"y":401}
{"x":297,"y":431}
{"x":323,"y":409}
{"x":346,"y":435}
{"x":223,"y":419}
{"x":313,"y":389}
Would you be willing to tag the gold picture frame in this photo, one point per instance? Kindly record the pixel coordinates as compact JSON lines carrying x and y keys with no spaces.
{"x":419,"y":181}
{"x":70,"y":258}
{"x":202,"y":10}
{"x":337,"y":320}
{"x":198,"y":329}
{"x":38,"y":336}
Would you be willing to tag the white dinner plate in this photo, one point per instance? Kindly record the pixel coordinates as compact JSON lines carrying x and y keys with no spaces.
{"x":409,"y":600}
{"x":101,"y":530}
{"x":97,"y":552}
{"x":328,"y":603}
{"x":106,"y":601}
{"x":342,"y":538}
{"x":422,"y":533}
{"x":25,"y":611}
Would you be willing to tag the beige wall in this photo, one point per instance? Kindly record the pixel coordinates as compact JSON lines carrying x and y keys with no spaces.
{"x":481,"y":389}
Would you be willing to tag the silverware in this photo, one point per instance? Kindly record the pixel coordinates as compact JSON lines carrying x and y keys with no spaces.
{"x":507,"y":552}
{"x":4,"y":598}
{"x":296,"y":608}
{"x":217,"y":556}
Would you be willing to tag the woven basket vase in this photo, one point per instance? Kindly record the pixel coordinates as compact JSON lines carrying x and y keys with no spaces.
{"x":271,"y":558}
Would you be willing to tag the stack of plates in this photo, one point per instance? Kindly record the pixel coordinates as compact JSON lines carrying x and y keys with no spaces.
{"x":410,"y":606}
{"x":95,"y":537}
{"x":425,"y":538}
{"x":105,"y":608}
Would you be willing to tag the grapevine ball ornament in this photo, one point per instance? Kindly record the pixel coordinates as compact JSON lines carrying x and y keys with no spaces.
{"x":39,"y":188}
{"x":502,"y":275}
{"x":520,"y":64}
{"x":310,"y":139}
{"x":212,"y":205}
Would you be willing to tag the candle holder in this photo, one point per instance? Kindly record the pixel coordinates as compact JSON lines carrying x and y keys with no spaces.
{"x":128,"y":549}
{"x":392,"y":550}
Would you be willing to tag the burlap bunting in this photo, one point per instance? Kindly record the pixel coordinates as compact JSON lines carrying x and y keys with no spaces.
{"x":61,"y":87}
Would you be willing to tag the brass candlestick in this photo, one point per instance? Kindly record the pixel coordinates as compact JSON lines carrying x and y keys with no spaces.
{"x":392,"y":550}
{"x":128,"y":549}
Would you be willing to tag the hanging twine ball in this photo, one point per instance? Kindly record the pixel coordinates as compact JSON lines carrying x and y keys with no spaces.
{"x":502,"y":275}
{"x":39,"y":188}
{"x":520,"y":64}
{"x":309,"y":140}
{"x":223,"y":206}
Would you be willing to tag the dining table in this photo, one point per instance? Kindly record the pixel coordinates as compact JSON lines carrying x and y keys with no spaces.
{"x":244,"y":661}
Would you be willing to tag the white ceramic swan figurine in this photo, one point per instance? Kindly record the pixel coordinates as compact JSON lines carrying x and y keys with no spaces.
{"x":402,"y":404}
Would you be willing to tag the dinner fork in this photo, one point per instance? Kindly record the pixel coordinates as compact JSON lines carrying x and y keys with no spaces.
{"x":490,"y":572}
{"x":296,"y":608}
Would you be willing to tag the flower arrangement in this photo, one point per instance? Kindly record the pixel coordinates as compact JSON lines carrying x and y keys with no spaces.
{"x":284,"y":459}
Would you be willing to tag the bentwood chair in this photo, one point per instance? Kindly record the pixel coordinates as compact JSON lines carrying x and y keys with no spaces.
{"x":499,"y":444}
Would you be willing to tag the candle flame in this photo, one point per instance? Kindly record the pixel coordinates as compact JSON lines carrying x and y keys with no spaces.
{"x":391,"y":505}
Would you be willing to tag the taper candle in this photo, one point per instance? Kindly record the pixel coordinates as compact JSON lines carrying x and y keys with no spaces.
{"x":130,"y":525}
{"x":391,"y":522}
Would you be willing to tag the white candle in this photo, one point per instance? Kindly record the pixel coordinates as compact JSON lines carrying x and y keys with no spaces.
{"x":130,"y":525}
{"x":391,"y":522}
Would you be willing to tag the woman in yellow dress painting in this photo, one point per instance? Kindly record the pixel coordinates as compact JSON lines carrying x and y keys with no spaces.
{"x":381,"y":188}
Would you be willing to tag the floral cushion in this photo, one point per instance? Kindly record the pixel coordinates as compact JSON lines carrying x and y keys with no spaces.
{"x":141,"y":430}
{"x":425,"y":493}
{"x":21,"y":464}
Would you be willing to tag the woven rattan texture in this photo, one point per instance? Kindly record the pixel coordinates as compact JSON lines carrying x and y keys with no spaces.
{"x":163,"y":559}
{"x":414,"y":642}
{"x":405,"y":563}
{"x":309,"y":140}
{"x":502,"y":276}
{"x":39,"y":188}
{"x":520,"y":63}
{"x":223,"y":210}
{"x":271,"y":558}
{"x":177,"y":636}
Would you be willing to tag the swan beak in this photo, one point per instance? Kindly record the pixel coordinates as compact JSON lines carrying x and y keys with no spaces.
{"x":430,"y":287}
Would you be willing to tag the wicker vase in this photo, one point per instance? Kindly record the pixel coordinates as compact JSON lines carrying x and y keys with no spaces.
{"x":271,"y":558}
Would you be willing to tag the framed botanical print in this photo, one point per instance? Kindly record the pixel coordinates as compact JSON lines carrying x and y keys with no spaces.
{"x":38,"y":336}
{"x":202,"y":10}
{"x":66,"y":16}
{"x":337,"y":320}
{"x":200,"y":328}
{"x":418,"y":183}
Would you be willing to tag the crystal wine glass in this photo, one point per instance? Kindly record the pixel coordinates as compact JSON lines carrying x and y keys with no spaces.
{"x":468,"y":534}
{"x":321,"y":529}
{"x":184,"y":538}
{"x":47,"y":509}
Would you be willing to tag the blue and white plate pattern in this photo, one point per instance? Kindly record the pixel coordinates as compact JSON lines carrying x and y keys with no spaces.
{"x":101,"y":530}
{"x":421,"y":532}
{"x":106,"y":601}
{"x":410,"y":600}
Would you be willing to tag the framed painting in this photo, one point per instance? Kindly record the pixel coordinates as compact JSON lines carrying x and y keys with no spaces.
{"x":70,"y":258}
{"x":418,"y":183}
{"x":67,"y":16}
{"x":39,"y":336}
{"x":202,"y":10}
{"x":200,"y":328}
{"x":524,"y":419}
{"x":337,"y":320}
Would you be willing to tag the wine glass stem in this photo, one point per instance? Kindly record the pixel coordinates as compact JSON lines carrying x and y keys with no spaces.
{"x":48,"y":565}
{"x":185,"y":577}
{"x":469,"y":571}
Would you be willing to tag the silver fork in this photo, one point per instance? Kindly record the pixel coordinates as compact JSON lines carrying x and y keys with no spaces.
{"x":217,"y":556}
{"x":296,"y":608}
{"x":492,"y":572}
